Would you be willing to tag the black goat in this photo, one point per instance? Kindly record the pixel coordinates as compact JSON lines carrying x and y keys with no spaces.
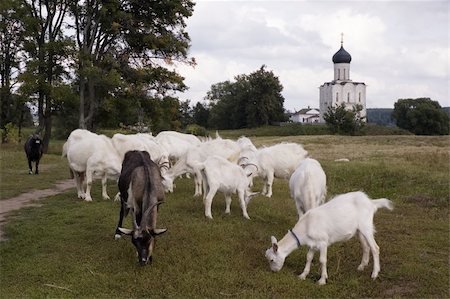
{"x":34,"y":150}
{"x":141,"y":190}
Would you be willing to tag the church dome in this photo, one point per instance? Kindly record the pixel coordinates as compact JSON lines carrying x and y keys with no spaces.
{"x":342,"y":56}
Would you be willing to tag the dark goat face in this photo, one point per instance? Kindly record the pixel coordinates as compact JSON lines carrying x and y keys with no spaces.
{"x":144,"y":246}
{"x":143,"y":242}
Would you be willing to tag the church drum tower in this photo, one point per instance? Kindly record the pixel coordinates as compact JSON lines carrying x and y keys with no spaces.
{"x":342,"y":90}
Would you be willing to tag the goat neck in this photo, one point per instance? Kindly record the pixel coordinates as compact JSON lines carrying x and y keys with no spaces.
{"x":288,"y":243}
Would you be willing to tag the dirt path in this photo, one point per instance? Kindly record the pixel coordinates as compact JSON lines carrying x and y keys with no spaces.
{"x":29,"y":200}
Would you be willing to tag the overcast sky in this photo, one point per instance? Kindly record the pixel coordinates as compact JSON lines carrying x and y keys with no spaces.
{"x":400,"y":49}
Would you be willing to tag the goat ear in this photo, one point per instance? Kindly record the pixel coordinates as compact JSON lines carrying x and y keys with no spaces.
{"x":158,"y":231}
{"x":274,"y":244}
{"x":126,"y":231}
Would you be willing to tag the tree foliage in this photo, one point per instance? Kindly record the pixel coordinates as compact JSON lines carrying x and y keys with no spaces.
{"x":421,"y":116}
{"x":11,"y":43}
{"x":251,"y":101}
{"x":47,"y":49}
{"x":123,"y":47}
{"x":340,"y":120}
{"x":116,"y":57}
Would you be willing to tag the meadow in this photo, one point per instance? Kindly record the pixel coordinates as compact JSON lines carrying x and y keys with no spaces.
{"x":66,"y":247}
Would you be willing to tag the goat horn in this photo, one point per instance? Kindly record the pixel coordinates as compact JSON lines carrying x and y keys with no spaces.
{"x":126,"y":231}
{"x":241,"y":158}
{"x":249,"y":164}
{"x":158,"y":231}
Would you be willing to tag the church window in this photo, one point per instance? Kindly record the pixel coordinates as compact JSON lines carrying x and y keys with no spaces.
{"x":339,"y":73}
{"x":348,"y":97}
{"x":337,"y":96}
{"x":360,"y":97}
{"x":344,"y":74}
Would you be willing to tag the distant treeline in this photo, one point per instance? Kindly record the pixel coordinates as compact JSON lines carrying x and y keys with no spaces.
{"x":383,"y":116}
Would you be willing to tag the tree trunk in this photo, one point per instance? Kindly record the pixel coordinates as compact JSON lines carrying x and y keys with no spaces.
{"x":81,"y":120}
{"x":92,"y":104}
{"x":47,"y":132}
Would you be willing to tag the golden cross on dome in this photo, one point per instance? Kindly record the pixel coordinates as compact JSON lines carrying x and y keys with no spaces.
{"x":342,"y":38}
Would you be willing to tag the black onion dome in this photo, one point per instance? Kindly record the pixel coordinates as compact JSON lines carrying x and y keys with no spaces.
{"x":342,"y":56}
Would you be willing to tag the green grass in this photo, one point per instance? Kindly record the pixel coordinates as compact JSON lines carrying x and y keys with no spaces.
{"x":66,"y":247}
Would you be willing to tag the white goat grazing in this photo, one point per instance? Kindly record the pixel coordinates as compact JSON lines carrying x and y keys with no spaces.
{"x":279,"y":160}
{"x":141,"y":142}
{"x":308,"y":185}
{"x":190,"y":162}
{"x":90,"y":156}
{"x":337,"y":220}
{"x":176,"y":144}
{"x":219,"y":174}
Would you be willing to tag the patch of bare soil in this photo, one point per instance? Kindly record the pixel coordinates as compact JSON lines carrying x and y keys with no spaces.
{"x":29,"y":199}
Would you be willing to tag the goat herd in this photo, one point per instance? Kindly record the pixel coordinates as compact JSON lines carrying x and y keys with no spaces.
{"x":146,"y":166}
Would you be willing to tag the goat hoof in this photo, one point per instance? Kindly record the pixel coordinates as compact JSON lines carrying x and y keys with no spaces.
{"x":322,"y":282}
{"x":302,"y":276}
{"x":117,"y":236}
{"x":30,"y":172}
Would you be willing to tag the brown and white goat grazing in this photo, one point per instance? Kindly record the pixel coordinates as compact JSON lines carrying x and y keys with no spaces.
{"x":141,"y":191}
{"x":337,"y":220}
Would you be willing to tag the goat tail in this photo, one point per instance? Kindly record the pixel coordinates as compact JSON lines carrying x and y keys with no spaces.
{"x":383,"y":203}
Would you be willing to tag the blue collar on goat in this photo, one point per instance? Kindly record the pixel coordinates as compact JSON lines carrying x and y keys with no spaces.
{"x":295,"y":237}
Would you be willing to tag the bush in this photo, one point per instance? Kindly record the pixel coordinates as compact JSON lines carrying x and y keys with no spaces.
{"x":421,"y":116}
{"x":196,"y":130}
{"x":10,"y":134}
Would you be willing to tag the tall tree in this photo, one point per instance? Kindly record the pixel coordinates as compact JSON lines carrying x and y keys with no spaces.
{"x":47,"y":50}
{"x":200,"y":114}
{"x":138,"y":38}
{"x":11,"y":46}
{"x":97,"y":32}
{"x":265,"y":104}
{"x":252,"y":100}
{"x":422,"y":116}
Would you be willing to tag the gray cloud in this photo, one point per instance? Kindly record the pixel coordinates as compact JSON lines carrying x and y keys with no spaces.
{"x":400,"y":49}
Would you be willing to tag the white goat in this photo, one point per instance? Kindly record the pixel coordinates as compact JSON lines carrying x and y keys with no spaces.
{"x":337,"y":220}
{"x":176,"y":144}
{"x":246,"y":143}
{"x":91,"y":156}
{"x":190,"y":162}
{"x":141,"y":142}
{"x":279,"y":160}
{"x":219,"y":174}
{"x":308,"y":185}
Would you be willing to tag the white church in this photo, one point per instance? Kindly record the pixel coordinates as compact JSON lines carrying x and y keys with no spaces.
{"x":342,"y":89}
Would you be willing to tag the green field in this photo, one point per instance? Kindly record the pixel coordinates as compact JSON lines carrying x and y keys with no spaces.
{"x":66,"y":247}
